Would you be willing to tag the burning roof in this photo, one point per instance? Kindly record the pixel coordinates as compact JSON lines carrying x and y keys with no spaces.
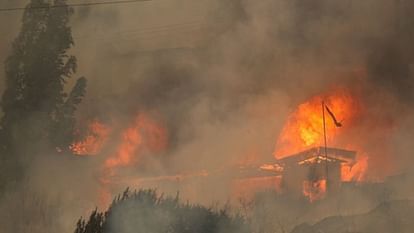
{"x":317,"y":154}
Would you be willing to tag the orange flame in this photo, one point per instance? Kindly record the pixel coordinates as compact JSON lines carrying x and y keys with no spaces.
{"x":355,"y":172}
{"x":304,"y":129}
{"x":94,"y":141}
{"x":143,"y":135}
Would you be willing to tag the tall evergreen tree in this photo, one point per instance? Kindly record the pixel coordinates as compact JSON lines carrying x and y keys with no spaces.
{"x":35,"y":105}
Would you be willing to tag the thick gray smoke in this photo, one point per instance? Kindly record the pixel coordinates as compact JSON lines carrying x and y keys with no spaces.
{"x":223,"y":76}
{"x":223,"y":65}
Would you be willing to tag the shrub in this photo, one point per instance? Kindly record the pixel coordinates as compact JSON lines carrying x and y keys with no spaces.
{"x":145,"y":211}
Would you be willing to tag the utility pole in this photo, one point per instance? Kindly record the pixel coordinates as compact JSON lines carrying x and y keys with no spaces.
{"x":324,"y":137}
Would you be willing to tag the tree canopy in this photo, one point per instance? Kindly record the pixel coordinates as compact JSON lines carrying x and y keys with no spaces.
{"x":35,"y":103}
{"x":38,"y":107}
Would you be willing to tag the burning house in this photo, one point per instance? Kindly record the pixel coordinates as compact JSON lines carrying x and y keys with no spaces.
{"x":312,"y":173}
{"x":315,"y":171}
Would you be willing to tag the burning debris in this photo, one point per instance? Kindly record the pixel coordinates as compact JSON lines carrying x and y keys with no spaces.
{"x":93,"y":142}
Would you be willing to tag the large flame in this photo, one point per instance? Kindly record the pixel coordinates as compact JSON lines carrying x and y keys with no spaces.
{"x":304,"y":130}
{"x":144,"y":135}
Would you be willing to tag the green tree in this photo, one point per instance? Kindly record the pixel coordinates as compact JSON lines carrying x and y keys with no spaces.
{"x":36,"y":107}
